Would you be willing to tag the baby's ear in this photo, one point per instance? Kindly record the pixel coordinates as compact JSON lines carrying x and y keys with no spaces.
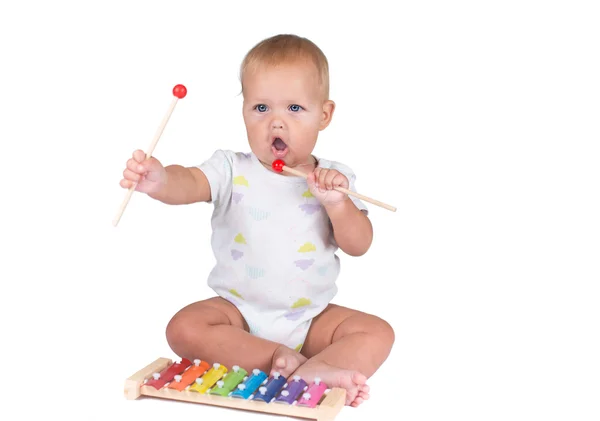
{"x":328,"y":109}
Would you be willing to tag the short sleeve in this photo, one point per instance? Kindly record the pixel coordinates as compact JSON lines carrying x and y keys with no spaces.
{"x":218,"y":170}
{"x":359,"y":204}
{"x":347,"y":171}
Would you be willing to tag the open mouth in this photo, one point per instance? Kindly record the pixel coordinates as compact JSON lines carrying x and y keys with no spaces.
{"x":279,"y":148}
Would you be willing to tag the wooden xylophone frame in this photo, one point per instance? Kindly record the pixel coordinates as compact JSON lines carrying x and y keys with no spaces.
{"x":326,"y":410}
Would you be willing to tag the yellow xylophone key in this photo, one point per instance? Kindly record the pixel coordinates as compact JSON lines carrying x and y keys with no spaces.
{"x":188,"y":377}
{"x":209,"y":379}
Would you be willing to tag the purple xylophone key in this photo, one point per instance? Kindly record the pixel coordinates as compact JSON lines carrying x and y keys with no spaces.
{"x":291,"y":390}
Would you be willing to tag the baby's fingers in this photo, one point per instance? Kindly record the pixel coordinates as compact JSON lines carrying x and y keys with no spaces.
{"x":131,"y":176}
{"x":335,"y":178}
{"x":330,"y":179}
{"x":139,"y":156}
{"x":136,"y":167}
{"x":126,"y":184}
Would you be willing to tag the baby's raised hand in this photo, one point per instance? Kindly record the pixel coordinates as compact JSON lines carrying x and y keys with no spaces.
{"x":150,"y":174}
{"x":321,"y":182}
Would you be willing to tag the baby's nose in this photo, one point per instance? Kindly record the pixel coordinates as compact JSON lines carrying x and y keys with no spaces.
{"x":277,"y":124}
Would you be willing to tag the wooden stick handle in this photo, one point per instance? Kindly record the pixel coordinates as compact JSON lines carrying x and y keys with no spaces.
{"x":149,"y":152}
{"x":346,"y":191}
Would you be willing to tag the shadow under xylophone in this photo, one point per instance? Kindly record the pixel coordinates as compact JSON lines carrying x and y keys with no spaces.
{"x":198,"y":382}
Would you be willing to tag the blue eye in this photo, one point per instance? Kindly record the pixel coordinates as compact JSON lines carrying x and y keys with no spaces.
{"x":295,"y":107}
{"x":261,"y":108}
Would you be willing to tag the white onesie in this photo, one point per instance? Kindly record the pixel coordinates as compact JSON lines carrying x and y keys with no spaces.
{"x":273,"y":243}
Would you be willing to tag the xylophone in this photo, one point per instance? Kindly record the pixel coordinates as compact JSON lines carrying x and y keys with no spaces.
{"x":199,"y":382}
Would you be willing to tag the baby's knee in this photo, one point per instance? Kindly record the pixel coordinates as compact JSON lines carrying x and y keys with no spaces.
{"x":177,"y":330}
{"x":380,"y":332}
{"x":183,"y":328}
{"x":193,"y":322}
{"x":383,"y":330}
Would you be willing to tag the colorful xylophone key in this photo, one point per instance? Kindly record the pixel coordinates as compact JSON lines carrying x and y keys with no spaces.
{"x":246,"y":389}
{"x":165,"y":376}
{"x":313,"y":394}
{"x":291,"y":390}
{"x":229,"y":382}
{"x":209,"y":378}
{"x":267,"y":392}
{"x":181,"y":381}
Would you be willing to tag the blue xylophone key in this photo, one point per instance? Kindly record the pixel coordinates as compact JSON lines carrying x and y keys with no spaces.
{"x":267,"y":392}
{"x":246,"y":389}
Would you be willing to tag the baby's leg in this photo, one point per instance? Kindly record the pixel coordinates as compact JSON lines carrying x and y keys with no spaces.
{"x":214,"y":330}
{"x":344,"y":348}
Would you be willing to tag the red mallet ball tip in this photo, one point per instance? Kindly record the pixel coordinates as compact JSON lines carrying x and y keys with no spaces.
{"x":179,"y":91}
{"x":278,"y":165}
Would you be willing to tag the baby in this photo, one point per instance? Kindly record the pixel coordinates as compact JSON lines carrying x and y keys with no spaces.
{"x":275,"y":235}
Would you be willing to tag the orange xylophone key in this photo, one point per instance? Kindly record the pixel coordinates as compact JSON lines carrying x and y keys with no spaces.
{"x":165,"y":376}
{"x":189,"y":376}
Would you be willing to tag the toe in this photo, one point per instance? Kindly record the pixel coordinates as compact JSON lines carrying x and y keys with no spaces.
{"x":359,"y":379}
{"x":278,"y":366}
{"x":364,"y":388}
{"x":356,"y":402}
{"x":285,"y":365}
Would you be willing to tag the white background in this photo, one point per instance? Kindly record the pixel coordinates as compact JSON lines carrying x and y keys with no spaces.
{"x":478,"y":120}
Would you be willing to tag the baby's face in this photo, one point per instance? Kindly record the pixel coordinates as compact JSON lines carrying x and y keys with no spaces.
{"x":284,"y":111}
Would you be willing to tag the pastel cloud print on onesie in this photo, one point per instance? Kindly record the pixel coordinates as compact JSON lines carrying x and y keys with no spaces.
{"x":312,"y":205}
{"x":237,"y":252}
{"x":240,"y":187}
{"x":252,"y":272}
{"x":305,"y":250}
{"x":237,"y":248}
{"x":234,"y":297}
{"x":311,"y":289}
{"x":298,"y":309}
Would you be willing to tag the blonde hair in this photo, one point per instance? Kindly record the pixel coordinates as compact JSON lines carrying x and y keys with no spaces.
{"x":287,"y":48}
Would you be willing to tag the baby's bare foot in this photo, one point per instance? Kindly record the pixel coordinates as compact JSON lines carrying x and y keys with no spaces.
{"x":354,"y":382}
{"x":286,"y":361}
{"x":363,"y":395}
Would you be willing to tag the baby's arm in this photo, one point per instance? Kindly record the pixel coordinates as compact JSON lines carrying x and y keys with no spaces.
{"x":184,"y":185}
{"x":352,"y":229}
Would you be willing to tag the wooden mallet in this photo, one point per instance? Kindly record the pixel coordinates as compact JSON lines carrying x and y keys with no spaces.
{"x":179,"y":91}
{"x":279,"y":166}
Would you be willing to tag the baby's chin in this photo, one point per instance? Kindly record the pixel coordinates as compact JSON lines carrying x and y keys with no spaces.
{"x":289,"y":157}
{"x":266,"y":158}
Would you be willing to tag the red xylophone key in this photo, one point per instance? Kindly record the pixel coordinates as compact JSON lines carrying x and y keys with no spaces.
{"x":165,"y":376}
{"x":182,"y":381}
